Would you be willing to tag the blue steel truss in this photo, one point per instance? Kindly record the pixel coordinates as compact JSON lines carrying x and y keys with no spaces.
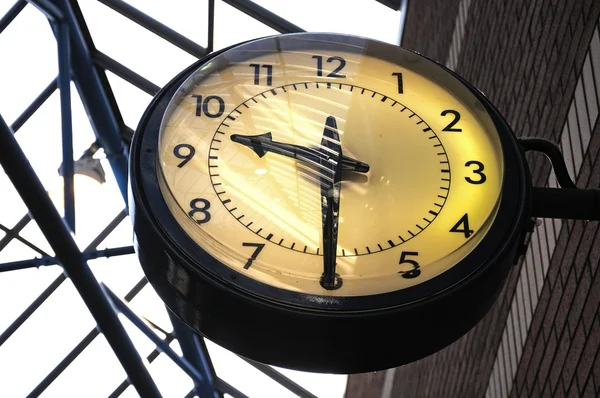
{"x":80,"y":62}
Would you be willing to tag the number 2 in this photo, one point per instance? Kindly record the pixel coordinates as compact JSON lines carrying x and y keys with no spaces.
{"x":450,"y":126}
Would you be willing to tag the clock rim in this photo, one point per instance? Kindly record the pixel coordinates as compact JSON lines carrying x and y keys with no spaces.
{"x":507,"y":224}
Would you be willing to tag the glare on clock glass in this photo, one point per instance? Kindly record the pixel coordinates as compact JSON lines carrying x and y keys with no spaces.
{"x":247,"y":162}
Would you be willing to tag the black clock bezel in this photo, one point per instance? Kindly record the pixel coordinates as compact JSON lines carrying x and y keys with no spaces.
{"x":186,"y":276}
{"x":385,"y":300}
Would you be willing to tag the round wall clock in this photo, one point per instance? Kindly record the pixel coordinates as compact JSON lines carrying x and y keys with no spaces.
{"x":326,"y":202}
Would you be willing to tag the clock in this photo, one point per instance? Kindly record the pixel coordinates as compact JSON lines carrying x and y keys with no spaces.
{"x":326,"y":202}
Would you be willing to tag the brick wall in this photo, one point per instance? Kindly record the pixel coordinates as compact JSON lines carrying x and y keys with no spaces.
{"x":430,"y":33}
{"x":536,"y":61}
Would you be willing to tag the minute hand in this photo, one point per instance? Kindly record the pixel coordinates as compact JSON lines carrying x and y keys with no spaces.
{"x":330,"y":181}
{"x":263,"y":143}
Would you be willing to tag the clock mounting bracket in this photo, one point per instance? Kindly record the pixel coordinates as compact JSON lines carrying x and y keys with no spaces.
{"x":568,"y":201}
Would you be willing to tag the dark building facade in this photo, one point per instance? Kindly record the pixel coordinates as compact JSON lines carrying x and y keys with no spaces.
{"x":539,"y":62}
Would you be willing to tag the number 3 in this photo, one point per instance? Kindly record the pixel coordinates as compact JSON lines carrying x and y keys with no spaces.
{"x":478,"y":171}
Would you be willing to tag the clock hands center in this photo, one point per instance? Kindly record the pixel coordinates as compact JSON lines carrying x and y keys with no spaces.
{"x":330,"y":160}
{"x":263,"y":143}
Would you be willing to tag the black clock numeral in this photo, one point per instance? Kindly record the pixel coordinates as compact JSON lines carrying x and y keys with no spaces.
{"x":462,"y":226}
{"x":342,"y":62}
{"x":269,"y":69}
{"x":450,"y":126}
{"x":413,"y":273}
{"x":334,"y":73}
{"x":202,"y":105}
{"x":400,"y":83}
{"x":259,"y":247}
{"x":319,"y":64}
{"x":191,"y":151}
{"x":194,"y":204}
{"x":478,"y":170}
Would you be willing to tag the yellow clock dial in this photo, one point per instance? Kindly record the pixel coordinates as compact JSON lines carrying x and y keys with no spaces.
{"x":268,"y":159}
{"x":286,"y":205}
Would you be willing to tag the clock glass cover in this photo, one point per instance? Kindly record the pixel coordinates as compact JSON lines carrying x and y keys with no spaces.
{"x":328,"y":169}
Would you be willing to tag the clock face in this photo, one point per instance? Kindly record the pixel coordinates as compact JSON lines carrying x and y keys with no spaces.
{"x":328,"y":169}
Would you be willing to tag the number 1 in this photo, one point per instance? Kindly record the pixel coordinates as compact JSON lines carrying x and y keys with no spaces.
{"x":400,"y":84}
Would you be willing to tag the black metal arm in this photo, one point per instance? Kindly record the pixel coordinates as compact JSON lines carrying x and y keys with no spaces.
{"x":568,"y":201}
{"x":575,"y":204}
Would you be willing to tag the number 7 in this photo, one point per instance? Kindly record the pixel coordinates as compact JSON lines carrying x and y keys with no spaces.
{"x":259,"y":247}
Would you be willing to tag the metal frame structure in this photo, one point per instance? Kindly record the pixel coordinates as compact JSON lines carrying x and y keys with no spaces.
{"x":79,"y":61}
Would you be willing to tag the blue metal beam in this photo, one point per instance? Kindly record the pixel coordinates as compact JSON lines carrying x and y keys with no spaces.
{"x":34,"y":106}
{"x":151,"y":357}
{"x":64,"y":85}
{"x":189,"y":347}
{"x":402,"y":9}
{"x":106,"y":62}
{"x":63,"y":364}
{"x":11,"y":14}
{"x":156,"y":27}
{"x":265,"y":16}
{"x":47,"y":260}
{"x":16,"y":324}
{"x":11,"y":234}
{"x":194,"y":350}
{"x":161,"y":345}
{"x":281,"y":379}
{"x":228,"y":389}
{"x":39,"y":300}
{"x":393,"y":4}
{"x":24,"y":179}
{"x":95,"y":99}
{"x":47,"y":8}
{"x":211,"y":26}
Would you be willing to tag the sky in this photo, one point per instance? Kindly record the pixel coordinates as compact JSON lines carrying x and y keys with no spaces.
{"x":28,"y":63}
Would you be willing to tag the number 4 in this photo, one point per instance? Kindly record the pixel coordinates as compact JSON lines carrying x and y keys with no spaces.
{"x":464,"y":222}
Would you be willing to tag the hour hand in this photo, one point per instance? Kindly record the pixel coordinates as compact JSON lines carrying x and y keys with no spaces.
{"x":263,"y":143}
{"x":354,"y":165}
{"x":260,"y":144}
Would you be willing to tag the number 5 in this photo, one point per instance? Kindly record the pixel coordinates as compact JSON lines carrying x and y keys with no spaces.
{"x":413,"y":273}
